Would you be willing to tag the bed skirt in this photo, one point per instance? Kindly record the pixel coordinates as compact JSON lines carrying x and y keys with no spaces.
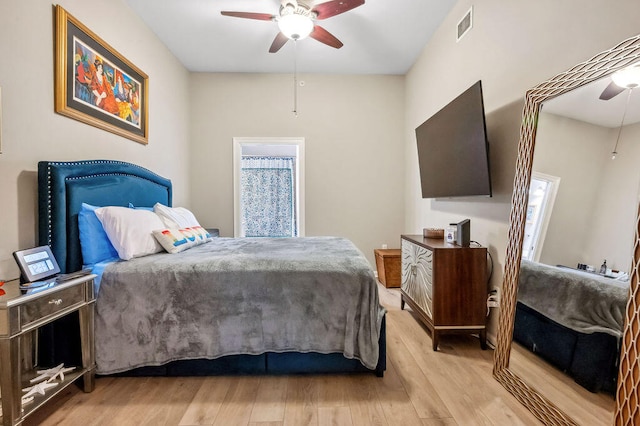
{"x":66,"y":349}
{"x":590,"y":359}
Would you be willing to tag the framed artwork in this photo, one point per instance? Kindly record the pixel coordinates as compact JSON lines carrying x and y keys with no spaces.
{"x":95,"y":84}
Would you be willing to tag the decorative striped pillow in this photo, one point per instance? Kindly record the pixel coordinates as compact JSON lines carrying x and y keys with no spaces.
{"x":175,"y":240}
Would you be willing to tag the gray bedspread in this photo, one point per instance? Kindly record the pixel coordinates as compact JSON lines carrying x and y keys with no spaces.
{"x":579,"y":300}
{"x":238,"y":296}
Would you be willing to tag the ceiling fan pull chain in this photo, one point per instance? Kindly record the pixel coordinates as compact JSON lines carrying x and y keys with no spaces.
{"x":614,"y":153}
{"x":295,"y":79}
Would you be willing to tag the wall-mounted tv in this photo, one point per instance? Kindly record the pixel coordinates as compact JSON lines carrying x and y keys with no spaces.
{"x":453,"y":151}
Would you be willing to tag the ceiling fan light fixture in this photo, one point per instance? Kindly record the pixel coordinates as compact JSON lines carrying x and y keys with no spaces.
{"x":295,"y":26}
{"x":627,"y":78}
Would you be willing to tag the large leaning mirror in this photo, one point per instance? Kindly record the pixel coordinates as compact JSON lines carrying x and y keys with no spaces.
{"x":569,"y":324}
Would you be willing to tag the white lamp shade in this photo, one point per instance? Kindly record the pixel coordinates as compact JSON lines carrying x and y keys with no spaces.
{"x":627,"y":78}
{"x":295,"y":27}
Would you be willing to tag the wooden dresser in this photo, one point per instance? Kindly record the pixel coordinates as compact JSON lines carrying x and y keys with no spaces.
{"x":446,"y":285}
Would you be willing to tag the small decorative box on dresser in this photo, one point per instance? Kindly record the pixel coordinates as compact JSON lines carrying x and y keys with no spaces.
{"x":388,"y":266}
{"x":446,"y":285}
{"x":22,"y":312}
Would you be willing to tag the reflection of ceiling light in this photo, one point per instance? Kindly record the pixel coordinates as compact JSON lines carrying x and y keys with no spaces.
{"x":627,"y":78}
{"x":295,"y":26}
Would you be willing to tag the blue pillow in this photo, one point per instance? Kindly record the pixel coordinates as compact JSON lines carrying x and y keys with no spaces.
{"x":131,"y":206}
{"x":94,"y":243}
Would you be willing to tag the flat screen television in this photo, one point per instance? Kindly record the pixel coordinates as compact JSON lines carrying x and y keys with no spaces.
{"x":453,"y":151}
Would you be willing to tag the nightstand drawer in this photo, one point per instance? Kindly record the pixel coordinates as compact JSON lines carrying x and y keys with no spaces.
{"x":42,"y":308}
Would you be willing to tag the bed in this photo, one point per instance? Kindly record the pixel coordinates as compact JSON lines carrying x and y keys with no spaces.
{"x":573,"y":319}
{"x":230,"y":306}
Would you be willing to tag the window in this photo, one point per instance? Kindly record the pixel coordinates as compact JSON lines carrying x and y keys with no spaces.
{"x":542,"y":195}
{"x":268,"y":187}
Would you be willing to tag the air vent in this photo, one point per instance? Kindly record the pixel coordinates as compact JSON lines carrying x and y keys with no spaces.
{"x":465,"y":24}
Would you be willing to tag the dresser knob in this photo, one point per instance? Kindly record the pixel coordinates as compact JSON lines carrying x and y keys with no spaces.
{"x":55,"y":302}
{"x":414,"y":269}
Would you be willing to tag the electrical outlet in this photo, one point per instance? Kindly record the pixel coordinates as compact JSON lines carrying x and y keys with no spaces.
{"x":493,"y":299}
{"x":384,"y":246}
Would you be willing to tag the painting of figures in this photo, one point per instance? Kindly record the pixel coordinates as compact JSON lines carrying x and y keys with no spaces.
{"x":97,"y":85}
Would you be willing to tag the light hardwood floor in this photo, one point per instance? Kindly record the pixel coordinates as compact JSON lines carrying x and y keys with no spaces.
{"x":453,"y":386}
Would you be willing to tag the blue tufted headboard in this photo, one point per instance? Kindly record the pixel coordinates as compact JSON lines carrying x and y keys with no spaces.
{"x":64,"y":186}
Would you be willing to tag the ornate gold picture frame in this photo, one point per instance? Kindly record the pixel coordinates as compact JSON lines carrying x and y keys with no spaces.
{"x":95,"y":84}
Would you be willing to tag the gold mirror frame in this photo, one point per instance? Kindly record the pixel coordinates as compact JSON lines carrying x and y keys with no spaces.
{"x":628,"y":394}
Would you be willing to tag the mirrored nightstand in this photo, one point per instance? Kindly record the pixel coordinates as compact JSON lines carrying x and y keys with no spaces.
{"x":22,"y":312}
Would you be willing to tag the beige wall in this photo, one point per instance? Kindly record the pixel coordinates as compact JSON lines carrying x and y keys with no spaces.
{"x":576,"y":152}
{"x":31,"y":131}
{"x":596,"y":206}
{"x":511,"y":47}
{"x":352,"y":127}
{"x":613,"y":221}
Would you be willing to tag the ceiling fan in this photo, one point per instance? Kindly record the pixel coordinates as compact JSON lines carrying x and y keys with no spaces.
{"x":621,"y":80}
{"x":296,"y":20}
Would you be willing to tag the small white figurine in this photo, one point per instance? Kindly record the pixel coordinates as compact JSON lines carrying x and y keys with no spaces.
{"x":40,"y":388}
{"x":51,"y":373}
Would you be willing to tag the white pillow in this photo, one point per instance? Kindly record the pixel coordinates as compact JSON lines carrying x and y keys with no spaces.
{"x":130,"y":230}
{"x":175,"y":217}
{"x":177,"y":240}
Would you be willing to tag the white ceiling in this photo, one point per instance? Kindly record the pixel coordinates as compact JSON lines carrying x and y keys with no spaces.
{"x":380,"y":37}
{"x":584,"y":104}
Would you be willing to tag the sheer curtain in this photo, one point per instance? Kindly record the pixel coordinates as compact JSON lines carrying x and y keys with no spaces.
{"x":268,"y":196}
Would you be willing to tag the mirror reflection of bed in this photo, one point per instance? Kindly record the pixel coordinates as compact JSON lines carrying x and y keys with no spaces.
{"x":570,"y":316}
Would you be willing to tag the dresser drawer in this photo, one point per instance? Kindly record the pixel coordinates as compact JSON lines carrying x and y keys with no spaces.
{"x":43,"y":308}
{"x":417,"y":275}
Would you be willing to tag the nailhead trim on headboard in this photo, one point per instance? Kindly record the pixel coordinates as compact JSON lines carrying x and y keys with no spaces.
{"x":78,"y":163}
{"x":49,"y":205}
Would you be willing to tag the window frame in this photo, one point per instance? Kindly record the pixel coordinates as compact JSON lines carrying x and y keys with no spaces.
{"x":238,"y":144}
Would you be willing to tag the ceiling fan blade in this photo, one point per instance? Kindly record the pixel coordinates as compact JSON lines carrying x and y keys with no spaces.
{"x":278,"y":42}
{"x":250,"y":15}
{"x":324,"y":36}
{"x":611,"y":91}
{"x":335,"y":7}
